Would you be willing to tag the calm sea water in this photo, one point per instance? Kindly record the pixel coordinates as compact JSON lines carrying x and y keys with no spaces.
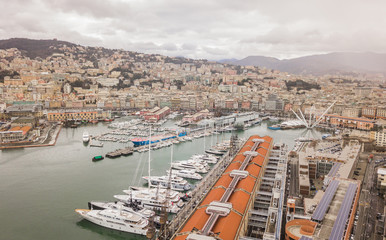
{"x":41,"y":187}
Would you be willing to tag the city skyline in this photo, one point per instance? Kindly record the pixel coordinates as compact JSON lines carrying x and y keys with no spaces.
{"x":192,"y":119}
{"x":211,"y":30}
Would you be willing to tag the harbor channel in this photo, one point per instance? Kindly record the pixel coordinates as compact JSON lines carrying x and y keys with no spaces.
{"x":41,"y":187}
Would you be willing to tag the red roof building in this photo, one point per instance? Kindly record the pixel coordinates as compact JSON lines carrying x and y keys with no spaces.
{"x":239,"y":199}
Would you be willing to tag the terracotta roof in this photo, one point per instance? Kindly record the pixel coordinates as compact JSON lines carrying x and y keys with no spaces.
{"x":265,"y":145}
{"x":262,"y":151}
{"x":249,"y":142}
{"x":25,"y":129}
{"x":17,"y":128}
{"x":182,"y":237}
{"x":197,"y":220}
{"x":267,"y":138}
{"x":253,"y":169}
{"x":244,"y":149}
{"x":227,"y":226}
{"x":239,"y":200}
{"x":239,"y":157}
{"x":213,"y":195}
{"x":233,"y":165}
{"x":224,"y":181}
{"x":246,"y":184}
{"x":258,"y":159}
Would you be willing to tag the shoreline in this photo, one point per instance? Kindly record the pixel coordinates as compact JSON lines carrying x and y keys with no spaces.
{"x":52,"y":142}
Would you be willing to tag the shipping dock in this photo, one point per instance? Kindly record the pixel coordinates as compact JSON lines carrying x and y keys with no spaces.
{"x":241,"y":198}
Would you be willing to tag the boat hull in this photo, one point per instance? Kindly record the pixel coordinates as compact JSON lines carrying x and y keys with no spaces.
{"x":97,"y":158}
{"x":217,"y":153}
{"x":111,"y":225}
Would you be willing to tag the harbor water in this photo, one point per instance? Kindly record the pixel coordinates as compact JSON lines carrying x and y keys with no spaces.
{"x":41,"y":187}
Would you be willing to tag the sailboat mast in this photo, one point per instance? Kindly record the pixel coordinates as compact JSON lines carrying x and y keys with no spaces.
{"x":170,"y":171}
{"x":204,"y":136}
{"x":148,"y":180}
{"x":171,"y":160}
{"x":211,"y":137}
{"x":171,"y":155}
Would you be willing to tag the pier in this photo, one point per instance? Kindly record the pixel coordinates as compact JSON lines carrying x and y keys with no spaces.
{"x":120,"y":152}
{"x":199,"y":192}
{"x":244,"y":200}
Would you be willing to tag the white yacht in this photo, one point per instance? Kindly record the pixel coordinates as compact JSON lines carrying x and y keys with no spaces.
{"x":187,"y":138}
{"x":149,"y":200}
{"x":205,"y":157}
{"x":273,"y":119}
{"x":177,"y":183}
{"x":190,"y":165}
{"x":131,"y":208}
{"x":86,"y":137}
{"x":191,"y":174}
{"x":215,"y":152}
{"x":174,"y":196}
{"x":152,"y":198}
{"x":198,"y":161}
{"x":115,"y":219}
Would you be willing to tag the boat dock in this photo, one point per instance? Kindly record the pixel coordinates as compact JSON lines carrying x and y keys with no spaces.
{"x":95,"y":144}
{"x":120,"y":152}
{"x":201,"y":189}
{"x":225,"y":199}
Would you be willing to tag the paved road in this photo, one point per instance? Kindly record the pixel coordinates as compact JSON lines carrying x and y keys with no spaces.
{"x":294,"y":178}
{"x":369,"y":205}
{"x":364,"y":204}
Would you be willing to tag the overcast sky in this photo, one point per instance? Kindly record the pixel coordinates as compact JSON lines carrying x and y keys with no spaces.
{"x":203,"y":28}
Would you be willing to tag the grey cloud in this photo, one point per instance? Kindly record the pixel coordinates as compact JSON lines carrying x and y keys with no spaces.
{"x":188,"y":46}
{"x":146,"y":46}
{"x":282,"y":35}
{"x":169,"y":46}
{"x":94,"y":8}
{"x":215,"y":51}
{"x":222,"y":29}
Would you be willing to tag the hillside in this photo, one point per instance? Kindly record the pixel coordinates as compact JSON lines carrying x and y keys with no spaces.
{"x":331,"y":63}
{"x":34,"y":48}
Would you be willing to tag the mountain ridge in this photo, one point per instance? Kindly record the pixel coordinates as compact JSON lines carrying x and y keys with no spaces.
{"x":329,"y":63}
{"x":33,"y":48}
{"x":321,"y":64}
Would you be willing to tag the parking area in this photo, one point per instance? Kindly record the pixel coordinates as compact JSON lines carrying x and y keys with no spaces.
{"x":360,"y":170}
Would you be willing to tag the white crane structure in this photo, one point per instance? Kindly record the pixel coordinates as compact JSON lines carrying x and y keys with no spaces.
{"x":312,"y":122}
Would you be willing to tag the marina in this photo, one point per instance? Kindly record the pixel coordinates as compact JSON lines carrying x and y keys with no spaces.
{"x":67,"y":167}
{"x":174,"y":120}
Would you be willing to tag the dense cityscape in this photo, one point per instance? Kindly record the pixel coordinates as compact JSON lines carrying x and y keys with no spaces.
{"x":298,"y":193}
{"x":193,"y":120}
{"x":76,"y":79}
